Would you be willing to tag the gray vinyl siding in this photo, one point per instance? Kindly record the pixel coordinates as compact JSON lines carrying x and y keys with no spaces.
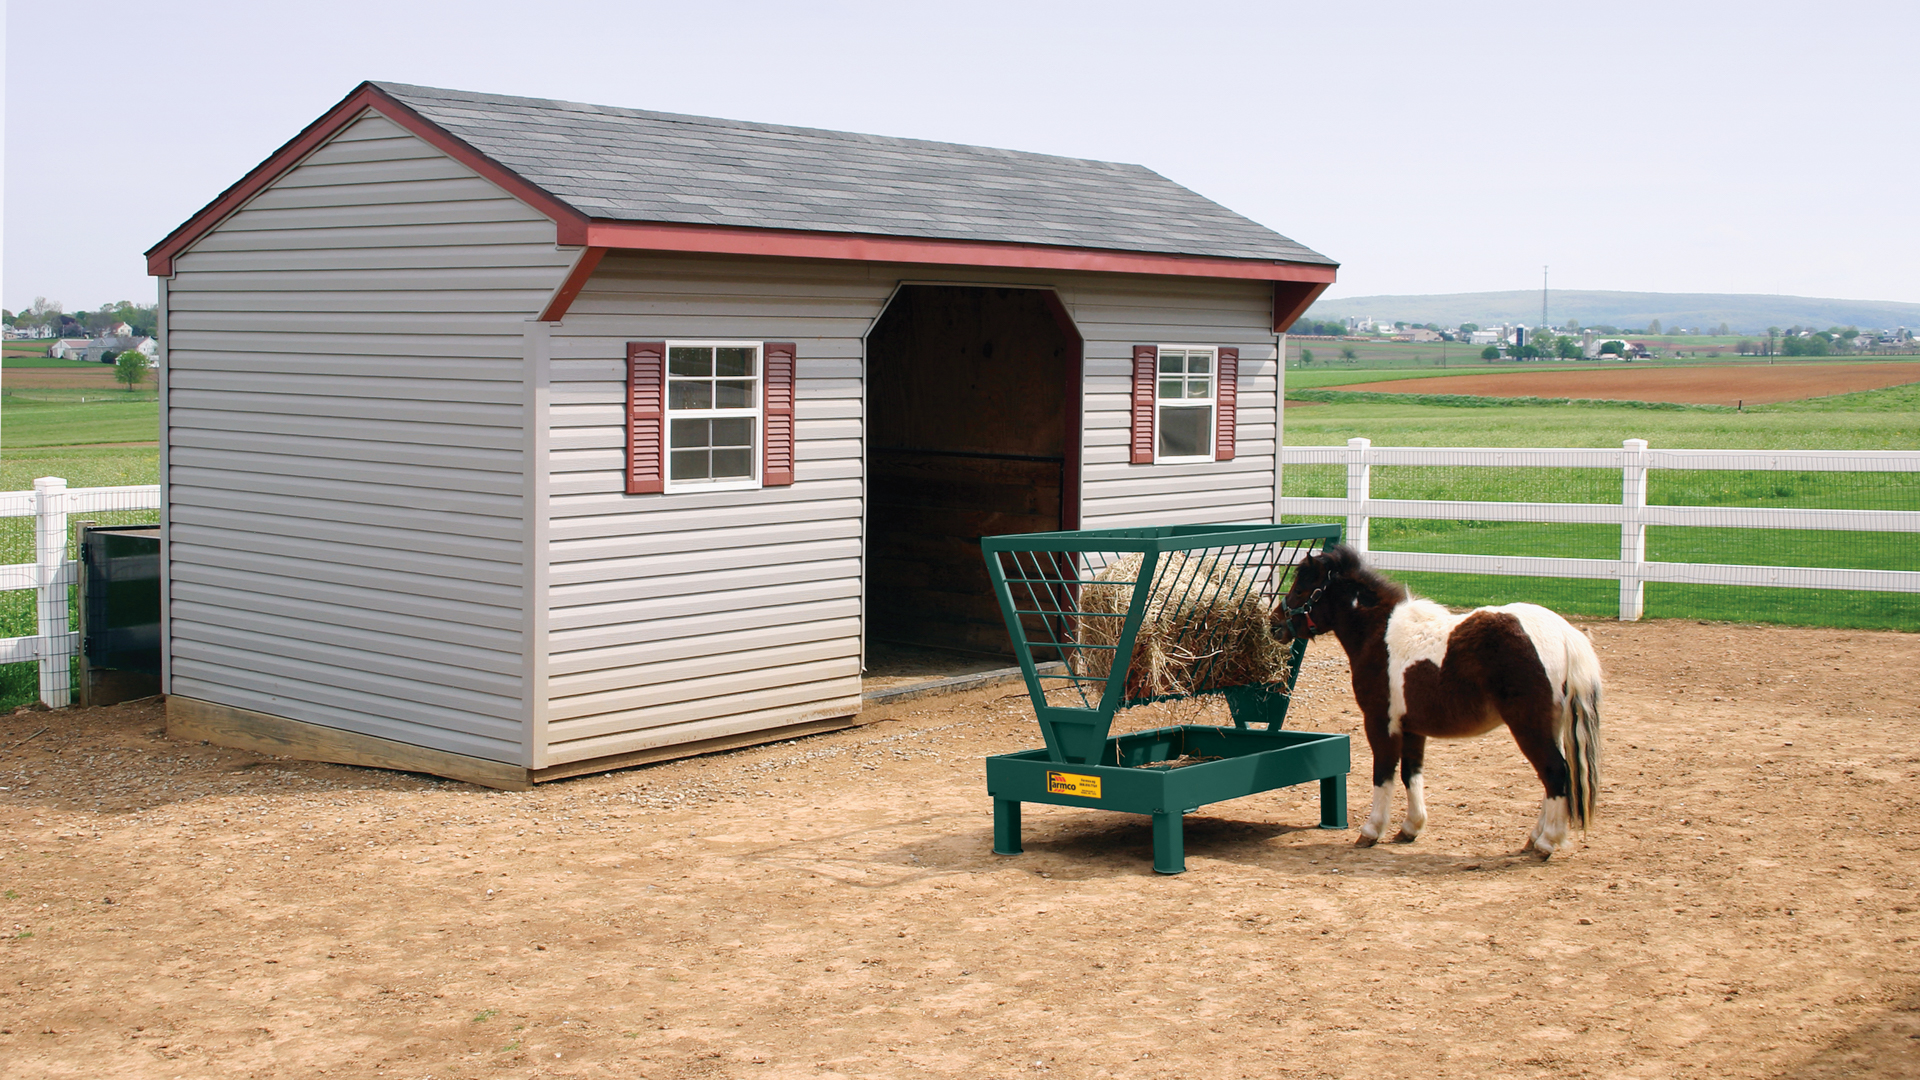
{"x":689,"y":616}
{"x":346,"y":448}
{"x":686,"y":616}
{"x":1114,"y":315}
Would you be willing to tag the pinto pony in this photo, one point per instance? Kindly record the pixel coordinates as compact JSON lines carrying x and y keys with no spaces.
{"x":1420,"y":672}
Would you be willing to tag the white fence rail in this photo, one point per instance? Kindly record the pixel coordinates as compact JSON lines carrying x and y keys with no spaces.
{"x":1631,"y":513}
{"x":51,"y":573}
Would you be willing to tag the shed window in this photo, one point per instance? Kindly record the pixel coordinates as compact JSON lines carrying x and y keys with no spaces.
{"x":709,"y":415}
{"x":1184,"y":402}
{"x":713,"y":413}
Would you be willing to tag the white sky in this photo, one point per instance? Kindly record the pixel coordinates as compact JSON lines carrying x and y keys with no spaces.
{"x":1727,"y":147}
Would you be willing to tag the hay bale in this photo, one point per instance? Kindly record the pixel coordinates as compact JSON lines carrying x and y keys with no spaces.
{"x":1206,"y":626}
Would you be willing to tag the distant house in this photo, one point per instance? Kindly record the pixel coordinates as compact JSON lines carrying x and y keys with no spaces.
{"x":68,"y":349}
{"x":104,"y":350}
{"x":1487,"y":337}
{"x":120,"y":329}
{"x":1596,"y":347}
{"x":1417,"y":334}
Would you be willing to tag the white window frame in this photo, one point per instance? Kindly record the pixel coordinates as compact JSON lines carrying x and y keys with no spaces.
{"x":757,"y":454}
{"x":1211,"y":402}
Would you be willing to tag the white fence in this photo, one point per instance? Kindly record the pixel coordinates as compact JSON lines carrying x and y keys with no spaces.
{"x":52,"y":573}
{"x":1631,"y":513}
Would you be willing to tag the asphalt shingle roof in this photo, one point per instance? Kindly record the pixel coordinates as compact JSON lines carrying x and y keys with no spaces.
{"x":634,"y":165}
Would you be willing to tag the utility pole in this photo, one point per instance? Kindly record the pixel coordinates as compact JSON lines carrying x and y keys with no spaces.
{"x":1543,"y":298}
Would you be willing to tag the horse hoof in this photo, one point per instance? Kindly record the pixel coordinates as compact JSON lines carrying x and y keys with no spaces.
{"x":1365,"y":841}
{"x":1405,"y":837}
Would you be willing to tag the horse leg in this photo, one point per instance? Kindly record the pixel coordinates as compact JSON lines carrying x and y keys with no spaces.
{"x":1535,"y":736}
{"x":1413,"y":753}
{"x":1385,"y":741}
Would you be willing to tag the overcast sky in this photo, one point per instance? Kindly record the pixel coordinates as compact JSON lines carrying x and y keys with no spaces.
{"x":1733,"y":147}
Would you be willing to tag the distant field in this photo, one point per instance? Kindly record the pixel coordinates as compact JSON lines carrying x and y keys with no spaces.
{"x":1699,"y":385}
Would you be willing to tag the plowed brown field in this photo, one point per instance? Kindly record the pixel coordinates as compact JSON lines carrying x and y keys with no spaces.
{"x":1754,"y":384}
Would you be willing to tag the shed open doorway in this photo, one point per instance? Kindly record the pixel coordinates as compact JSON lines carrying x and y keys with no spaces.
{"x":973,"y":429}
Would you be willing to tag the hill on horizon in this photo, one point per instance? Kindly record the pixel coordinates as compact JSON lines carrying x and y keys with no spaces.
{"x":1744,"y":313}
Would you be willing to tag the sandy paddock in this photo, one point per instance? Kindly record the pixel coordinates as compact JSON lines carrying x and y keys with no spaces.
{"x":1753,"y":383}
{"x":1745,"y":907}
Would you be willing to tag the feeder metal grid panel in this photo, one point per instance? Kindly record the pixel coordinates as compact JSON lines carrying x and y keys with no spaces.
{"x":1133,"y":616}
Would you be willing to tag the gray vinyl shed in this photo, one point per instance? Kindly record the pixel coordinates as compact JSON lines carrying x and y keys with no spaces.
{"x":508,"y":439}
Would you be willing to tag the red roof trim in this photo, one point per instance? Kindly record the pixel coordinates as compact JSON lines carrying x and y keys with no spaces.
{"x":569,"y":290}
{"x":574,"y":229}
{"x":570,"y":223}
{"x":787,"y":243}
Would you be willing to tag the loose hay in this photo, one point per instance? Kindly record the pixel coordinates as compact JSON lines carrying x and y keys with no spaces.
{"x":1206,"y":626}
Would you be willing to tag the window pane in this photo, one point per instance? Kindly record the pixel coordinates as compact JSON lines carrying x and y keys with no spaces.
{"x":732,"y":464}
{"x":1186,"y":432}
{"x":689,"y":394}
{"x":690,"y":433}
{"x":1172,"y":362}
{"x":734,"y":362}
{"x":1197,"y":386}
{"x":733,"y":394}
{"x":1198,"y":362}
{"x":689,"y":465}
{"x":1172,"y":388}
{"x":689,"y":360}
{"x":732,"y":432}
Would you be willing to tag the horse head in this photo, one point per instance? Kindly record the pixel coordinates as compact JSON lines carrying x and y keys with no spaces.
{"x":1322,"y":584}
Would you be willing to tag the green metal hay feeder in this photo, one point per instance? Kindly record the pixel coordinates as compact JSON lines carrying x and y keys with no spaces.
{"x":1134,"y":616}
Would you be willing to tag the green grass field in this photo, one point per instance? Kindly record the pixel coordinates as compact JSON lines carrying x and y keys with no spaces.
{"x":53,"y":433}
{"x":1876,"y":419}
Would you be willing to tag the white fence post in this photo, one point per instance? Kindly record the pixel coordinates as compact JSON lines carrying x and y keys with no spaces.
{"x":54,"y":620}
{"x":1359,"y":488}
{"x":1633,"y":529}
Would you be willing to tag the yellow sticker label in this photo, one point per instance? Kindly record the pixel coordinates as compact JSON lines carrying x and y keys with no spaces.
{"x":1066,"y":783}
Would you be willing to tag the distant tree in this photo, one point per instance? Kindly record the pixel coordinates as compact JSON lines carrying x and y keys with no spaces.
{"x":1612,"y":348}
{"x":1810,"y":345}
{"x":1573,"y":324}
{"x":1746,"y":347}
{"x":1491,"y":352}
{"x":1723,"y":331}
{"x":1306,"y":357}
{"x":1653,"y":326}
{"x":1567,"y":348}
{"x":1469,"y":327}
{"x":131,"y":368}
{"x":1348,"y":353}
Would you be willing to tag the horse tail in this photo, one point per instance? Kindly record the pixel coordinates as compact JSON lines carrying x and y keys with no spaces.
{"x":1582,"y":727}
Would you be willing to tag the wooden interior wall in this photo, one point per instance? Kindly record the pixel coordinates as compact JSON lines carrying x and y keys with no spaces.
{"x":966,"y":425}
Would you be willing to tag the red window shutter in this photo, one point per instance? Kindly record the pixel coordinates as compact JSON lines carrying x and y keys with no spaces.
{"x":646,"y":417}
{"x":1227,"y":390}
{"x":1146,"y":361}
{"x":776,"y":463}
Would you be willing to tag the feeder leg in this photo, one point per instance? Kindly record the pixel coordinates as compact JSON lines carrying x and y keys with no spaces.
{"x":1333,"y":802}
{"x":1006,"y":827}
{"x":1169,"y":844}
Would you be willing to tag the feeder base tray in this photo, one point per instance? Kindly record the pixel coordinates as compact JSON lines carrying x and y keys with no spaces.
{"x":1153,"y":772}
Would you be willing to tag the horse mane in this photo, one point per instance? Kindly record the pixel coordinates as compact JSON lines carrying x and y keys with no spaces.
{"x":1348,"y":563}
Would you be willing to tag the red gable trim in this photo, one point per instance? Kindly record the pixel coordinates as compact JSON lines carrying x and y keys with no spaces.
{"x":570,"y":223}
{"x":573,"y":228}
{"x":791,"y":243}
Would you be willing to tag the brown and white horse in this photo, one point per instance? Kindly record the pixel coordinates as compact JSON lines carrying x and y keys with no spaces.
{"x":1420,"y":672}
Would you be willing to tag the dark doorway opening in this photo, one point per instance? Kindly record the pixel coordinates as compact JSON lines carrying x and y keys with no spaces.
{"x":973,"y":429}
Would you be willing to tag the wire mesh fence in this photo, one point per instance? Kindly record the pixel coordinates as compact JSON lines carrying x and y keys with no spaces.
{"x":1718,"y":516}
{"x":38,"y":581}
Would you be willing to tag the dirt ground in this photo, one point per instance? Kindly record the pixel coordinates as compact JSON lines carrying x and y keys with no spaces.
{"x":1744,"y":907}
{"x":1753,"y":383}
